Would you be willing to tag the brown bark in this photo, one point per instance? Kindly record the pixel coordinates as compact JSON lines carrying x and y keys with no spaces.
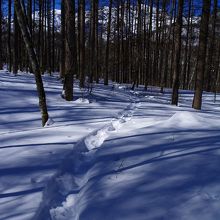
{"x":33,"y":59}
{"x":177,"y":64}
{"x":70,"y":62}
{"x":197,"y":102}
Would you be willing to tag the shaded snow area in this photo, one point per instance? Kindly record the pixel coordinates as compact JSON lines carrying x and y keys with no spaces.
{"x":114,"y":154}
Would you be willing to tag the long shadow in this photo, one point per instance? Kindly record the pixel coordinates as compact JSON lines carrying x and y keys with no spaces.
{"x":35,"y":145}
{"x":21,"y":193}
{"x":158,"y":159}
{"x":26,"y":170}
{"x":166,"y":132}
{"x":171,"y":181}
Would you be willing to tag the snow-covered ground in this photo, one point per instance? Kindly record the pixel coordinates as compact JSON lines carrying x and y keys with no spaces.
{"x":115,"y":154}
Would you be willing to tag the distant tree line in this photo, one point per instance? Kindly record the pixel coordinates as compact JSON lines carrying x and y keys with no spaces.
{"x":165,"y":43}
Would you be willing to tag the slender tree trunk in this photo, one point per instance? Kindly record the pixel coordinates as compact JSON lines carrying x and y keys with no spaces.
{"x":97,"y":53}
{"x":53,"y":36}
{"x":93,"y":52}
{"x":1,"y":51}
{"x":70,"y":62}
{"x":107,"y":44}
{"x":149,"y":76}
{"x":63,"y":31}
{"x":29,"y":15}
{"x":49,"y":54}
{"x":82,"y":41}
{"x":33,"y":59}
{"x":197,"y":102}
{"x":16,"y":44}
{"x":177,"y":67}
{"x":9,"y":37}
{"x":211,"y":51}
{"x":184,"y":72}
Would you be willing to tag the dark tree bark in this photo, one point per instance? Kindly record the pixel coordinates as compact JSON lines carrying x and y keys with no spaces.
{"x":209,"y":75}
{"x":29,"y":15}
{"x":62,"y":52}
{"x":187,"y":45}
{"x":177,"y":67}
{"x":107,"y":44}
{"x":49,"y":54}
{"x":1,"y":51}
{"x":9,"y":37}
{"x":93,"y":51}
{"x":197,"y":102}
{"x":70,"y":62}
{"x":16,"y":44}
{"x":82,"y":42}
{"x":149,"y":77}
{"x":22,"y":21}
{"x":53,"y":38}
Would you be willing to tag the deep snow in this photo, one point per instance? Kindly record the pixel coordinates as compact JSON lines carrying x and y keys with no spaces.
{"x":116,"y":154}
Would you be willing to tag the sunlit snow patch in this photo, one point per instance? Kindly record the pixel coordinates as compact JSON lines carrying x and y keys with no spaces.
{"x":81,"y":101}
{"x":186,"y":119}
{"x":66,"y":211}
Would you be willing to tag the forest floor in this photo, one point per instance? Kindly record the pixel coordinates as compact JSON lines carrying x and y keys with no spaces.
{"x":114,"y":155}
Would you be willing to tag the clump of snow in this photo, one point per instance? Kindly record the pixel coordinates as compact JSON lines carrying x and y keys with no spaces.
{"x":95,"y":141}
{"x":65,"y":211}
{"x":122,"y":87}
{"x":186,"y":119}
{"x":82,"y":101}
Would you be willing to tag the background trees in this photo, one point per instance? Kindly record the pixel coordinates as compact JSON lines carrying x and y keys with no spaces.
{"x":149,"y":42}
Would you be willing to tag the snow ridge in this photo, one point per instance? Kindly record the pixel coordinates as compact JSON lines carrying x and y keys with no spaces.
{"x":61,"y":195}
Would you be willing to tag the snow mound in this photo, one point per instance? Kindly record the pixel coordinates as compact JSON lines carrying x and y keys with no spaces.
{"x":81,"y":101}
{"x":186,"y":119}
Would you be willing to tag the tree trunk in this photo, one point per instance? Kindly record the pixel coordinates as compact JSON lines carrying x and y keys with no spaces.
{"x":22,"y":20}
{"x":16,"y":44}
{"x":62,"y":52}
{"x":9,"y":36}
{"x":177,"y":67}
{"x":107,"y":44}
{"x":70,"y":62}
{"x":197,"y":102}
{"x":209,"y":73}
{"x":1,"y":51}
{"x":82,"y":41}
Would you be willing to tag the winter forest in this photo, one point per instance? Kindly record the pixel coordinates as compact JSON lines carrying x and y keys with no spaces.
{"x":109,"y":109}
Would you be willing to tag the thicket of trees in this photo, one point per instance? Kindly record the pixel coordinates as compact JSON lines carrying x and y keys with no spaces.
{"x":164,"y":43}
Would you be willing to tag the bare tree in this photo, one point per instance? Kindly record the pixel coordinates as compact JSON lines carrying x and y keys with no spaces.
{"x":177,"y":68}
{"x":22,"y":21}
{"x":70,"y":62}
{"x":82,"y":42}
{"x":197,"y":102}
{"x":1,"y":51}
{"x":107,"y":44}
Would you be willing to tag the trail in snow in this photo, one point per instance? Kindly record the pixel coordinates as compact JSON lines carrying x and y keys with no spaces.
{"x":61,"y":193}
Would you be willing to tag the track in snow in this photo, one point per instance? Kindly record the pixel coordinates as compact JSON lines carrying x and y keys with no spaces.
{"x":61,"y":193}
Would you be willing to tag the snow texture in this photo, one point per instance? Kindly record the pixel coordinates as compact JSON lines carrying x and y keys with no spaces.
{"x":115,"y":154}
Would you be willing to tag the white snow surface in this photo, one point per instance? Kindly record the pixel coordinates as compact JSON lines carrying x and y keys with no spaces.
{"x":127,"y":155}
